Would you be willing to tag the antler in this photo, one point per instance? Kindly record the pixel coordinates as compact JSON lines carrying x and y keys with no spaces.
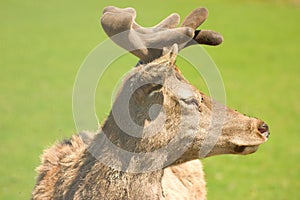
{"x":194,"y":20}
{"x":151,"y":43}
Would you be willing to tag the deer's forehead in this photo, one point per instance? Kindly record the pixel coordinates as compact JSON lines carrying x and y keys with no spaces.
{"x":180,"y":88}
{"x":170,"y":77}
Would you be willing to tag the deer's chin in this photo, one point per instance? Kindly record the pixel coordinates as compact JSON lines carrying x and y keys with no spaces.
{"x":235,"y":149}
{"x":244,"y":150}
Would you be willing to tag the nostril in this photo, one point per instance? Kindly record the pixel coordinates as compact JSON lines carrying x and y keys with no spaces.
{"x":264,"y":129}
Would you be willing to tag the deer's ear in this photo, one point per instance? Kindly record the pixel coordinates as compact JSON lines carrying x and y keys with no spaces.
{"x":147,"y":91}
{"x":171,"y":54}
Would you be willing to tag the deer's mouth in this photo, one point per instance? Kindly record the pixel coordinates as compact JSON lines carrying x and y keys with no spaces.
{"x":243,"y":149}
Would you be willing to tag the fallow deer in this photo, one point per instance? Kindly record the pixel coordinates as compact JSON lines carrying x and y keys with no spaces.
{"x":149,"y":145}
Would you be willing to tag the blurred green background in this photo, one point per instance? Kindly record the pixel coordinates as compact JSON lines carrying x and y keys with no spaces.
{"x":43,"y":43}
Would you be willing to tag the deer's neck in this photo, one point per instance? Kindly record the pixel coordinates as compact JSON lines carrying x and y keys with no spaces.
{"x":112,"y":181}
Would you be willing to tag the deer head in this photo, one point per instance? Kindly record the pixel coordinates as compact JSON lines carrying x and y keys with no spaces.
{"x":157,"y":109}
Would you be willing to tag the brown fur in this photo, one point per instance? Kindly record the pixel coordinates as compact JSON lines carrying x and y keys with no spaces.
{"x":58,"y":177}
{"x":91,"y":170}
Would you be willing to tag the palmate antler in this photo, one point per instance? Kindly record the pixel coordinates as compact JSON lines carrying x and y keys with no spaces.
{"x":151,"y":43}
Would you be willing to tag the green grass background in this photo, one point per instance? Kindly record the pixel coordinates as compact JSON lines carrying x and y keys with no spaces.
{"x":43,"y":43}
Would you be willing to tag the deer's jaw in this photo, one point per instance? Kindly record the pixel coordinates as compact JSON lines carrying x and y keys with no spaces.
{"x":238,"y":134}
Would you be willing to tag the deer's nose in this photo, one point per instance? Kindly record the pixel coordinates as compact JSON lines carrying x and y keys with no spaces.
{"x":264,"y":130}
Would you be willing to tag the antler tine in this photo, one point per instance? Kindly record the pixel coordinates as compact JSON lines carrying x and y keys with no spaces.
{"x":208,"y":37}
{"x":118,"y":23}
{"x":170,"y":22}
{"x":194,"y":20}
{"x":114,"y":9}
{"x":116,"y":20}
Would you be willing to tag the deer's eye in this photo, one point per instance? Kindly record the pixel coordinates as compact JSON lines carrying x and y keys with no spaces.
{"x":190,"y":101}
